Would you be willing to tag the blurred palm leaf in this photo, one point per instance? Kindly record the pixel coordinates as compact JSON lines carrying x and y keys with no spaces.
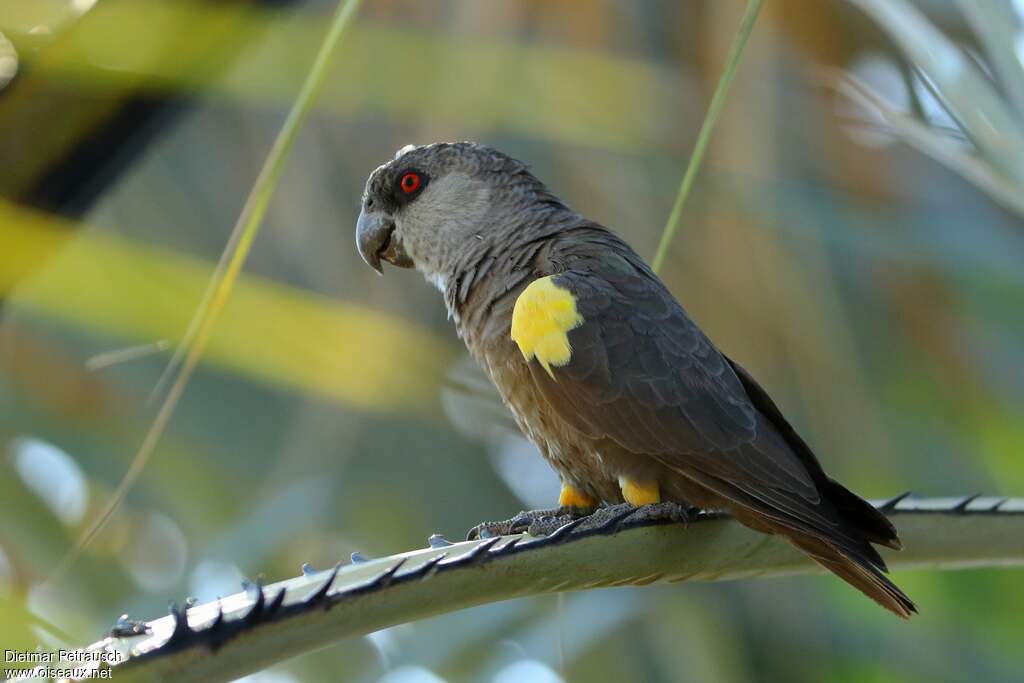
{"x":993,"y":124}
{"x":272,"y":332}
{"x":598,"y":99}
{"x":937,"y":533}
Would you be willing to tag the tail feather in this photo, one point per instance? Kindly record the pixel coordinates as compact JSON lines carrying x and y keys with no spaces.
{"x":854,"y":567}
{"x":844,"y":547}
{"x":864,"y":517}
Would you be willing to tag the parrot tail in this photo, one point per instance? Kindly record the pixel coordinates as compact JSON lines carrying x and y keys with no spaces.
{"x":858,"y":568}
{"x":864,"y":517}
{"x":844,"y":547}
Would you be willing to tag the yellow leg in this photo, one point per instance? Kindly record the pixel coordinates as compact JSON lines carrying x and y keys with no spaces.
{"x":573,"y":497}
{"x":640,"y":492}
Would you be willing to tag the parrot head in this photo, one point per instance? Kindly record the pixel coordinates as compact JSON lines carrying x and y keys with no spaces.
{"x":421,"y":208}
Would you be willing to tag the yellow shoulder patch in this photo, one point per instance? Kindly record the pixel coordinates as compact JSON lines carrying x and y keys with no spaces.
{"x":543,"y":315}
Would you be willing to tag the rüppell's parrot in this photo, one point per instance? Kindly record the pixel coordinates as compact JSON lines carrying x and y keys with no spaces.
{"x":602,"y":368}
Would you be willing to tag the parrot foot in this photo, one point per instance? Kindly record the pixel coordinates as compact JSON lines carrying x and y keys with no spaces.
{"x":612,"y":518}
{"x":659,"y":512}
{"x":607,"y":519}
{"x":533,"y":522}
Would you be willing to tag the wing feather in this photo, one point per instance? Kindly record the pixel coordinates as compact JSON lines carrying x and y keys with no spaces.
{"x":644,"y":376}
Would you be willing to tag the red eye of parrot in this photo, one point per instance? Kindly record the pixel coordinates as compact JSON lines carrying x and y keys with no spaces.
{"x":410,"y":182}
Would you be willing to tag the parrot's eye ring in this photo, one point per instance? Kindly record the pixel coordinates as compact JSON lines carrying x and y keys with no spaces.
{"x":410,"y":182}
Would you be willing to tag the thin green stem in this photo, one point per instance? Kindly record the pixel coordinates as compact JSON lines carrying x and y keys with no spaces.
{"x":735,"y":54}
{"x":225,"y":275}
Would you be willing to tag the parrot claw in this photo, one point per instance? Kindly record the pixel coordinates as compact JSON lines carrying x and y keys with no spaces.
{"x":126,"y":628}
{"x":607,"y":518}
{"x":672,"y":513}
{"x":612,"y":518}
{"x":533,"y":522}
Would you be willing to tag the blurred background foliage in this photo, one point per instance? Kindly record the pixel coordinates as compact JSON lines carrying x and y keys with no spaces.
{"x":854,"y":238}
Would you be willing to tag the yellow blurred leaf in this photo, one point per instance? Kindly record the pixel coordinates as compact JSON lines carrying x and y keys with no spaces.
{"x":279,"y":334}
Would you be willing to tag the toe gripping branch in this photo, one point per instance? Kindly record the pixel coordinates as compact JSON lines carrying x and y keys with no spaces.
{"x":605,"y":520}
{"x":212,"y":625}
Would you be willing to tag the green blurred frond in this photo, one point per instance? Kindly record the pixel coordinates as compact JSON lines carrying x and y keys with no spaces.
{"x":274,"y":333}
{"x":993,"y":123}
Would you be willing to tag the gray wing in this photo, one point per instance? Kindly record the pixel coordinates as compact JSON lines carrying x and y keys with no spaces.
{"x":643,"y":375}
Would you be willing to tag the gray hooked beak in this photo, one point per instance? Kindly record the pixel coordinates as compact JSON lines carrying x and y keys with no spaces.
{"x":376,"y":240}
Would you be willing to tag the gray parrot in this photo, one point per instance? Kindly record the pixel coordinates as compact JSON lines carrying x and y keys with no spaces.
{"x":600,"y":365}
